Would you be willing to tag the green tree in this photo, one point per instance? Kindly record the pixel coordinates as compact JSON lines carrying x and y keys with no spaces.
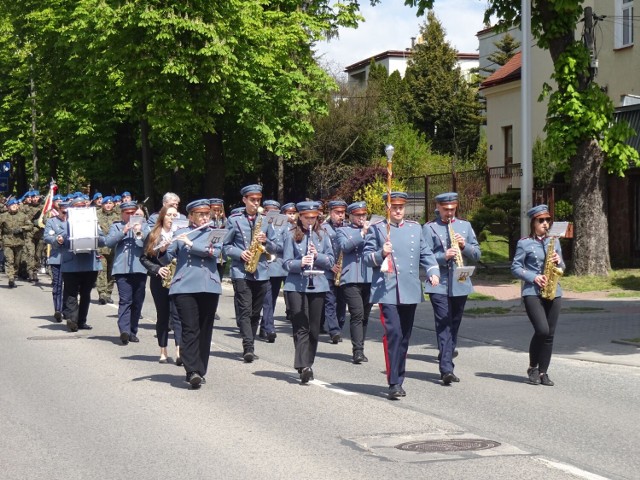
{"x":580,"y":124}
{"x":506,"y":48}
{"x":440,"y":102}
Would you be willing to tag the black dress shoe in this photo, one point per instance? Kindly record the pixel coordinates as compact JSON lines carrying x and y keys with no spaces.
{"x":262,"y":335}
{"x":85,"y":326}
{"x":179,"y":361}
{"x":447,"y":378}
{"x":395,"y":392}
{"x":358,"y":357}
{"x":12,"y":284}
{"x":271,"y":337}
{"x":133,"y":338}
{"x":544,"y":380}
{"x":57,"y":316}
{"x":306,"y":375}
{"x":248,"y":357}
{"x":194,"y":379}
{"x":102,"y":301}
{"x":124,"y":338}
{"x":534,"y":375}
{"x":335,"y":338}
{"x":364,"y":358}
{"x":72,"y":326}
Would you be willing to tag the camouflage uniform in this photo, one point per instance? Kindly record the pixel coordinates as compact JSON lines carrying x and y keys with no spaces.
{"x":34,"y":249}
{"x":105,"y":281}
{"x":15,"y":227}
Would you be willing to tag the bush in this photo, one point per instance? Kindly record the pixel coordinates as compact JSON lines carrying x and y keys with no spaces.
{"x":372,"y":194}
{"x":563,"y":210}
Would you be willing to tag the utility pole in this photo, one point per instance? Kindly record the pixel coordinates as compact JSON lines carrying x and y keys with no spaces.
{"x":526,"y":188}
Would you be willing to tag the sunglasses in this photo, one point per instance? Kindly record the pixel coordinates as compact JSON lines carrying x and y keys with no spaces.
{"x":544,"y":220}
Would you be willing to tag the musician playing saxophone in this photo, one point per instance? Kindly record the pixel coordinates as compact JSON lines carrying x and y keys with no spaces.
{"x":452,"y":240}
{"x":529,"y":266}
{"x":248,"y":235}
{"x":156,"y":262}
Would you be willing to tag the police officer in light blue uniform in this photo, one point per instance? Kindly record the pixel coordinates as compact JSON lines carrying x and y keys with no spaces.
{"x":335,"y":307}
{"x":54,"y":230}
{"x":277,"y":274}
{"x":306,"y":248}
{"x":355,"y":276}
{"x":529,"y":266}
{"x":396,"y":264}
{"x":127,"y":242}
{"x":196,"y":289}
{"x":79,"y":274}
{"x":449,"y":297}
{"x":249,"y":288}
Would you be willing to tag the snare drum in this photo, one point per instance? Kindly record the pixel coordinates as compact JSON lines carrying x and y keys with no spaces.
{"x":83,"y":229}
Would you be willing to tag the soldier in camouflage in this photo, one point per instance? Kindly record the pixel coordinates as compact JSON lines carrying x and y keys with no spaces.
{"x":14,"y":226}
{"x":106,"y":216}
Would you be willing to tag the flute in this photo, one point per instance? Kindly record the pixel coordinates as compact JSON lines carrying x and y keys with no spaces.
{"x":163,"y":244}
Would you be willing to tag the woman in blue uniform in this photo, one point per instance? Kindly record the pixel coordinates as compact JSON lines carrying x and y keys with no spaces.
{"x":306,"y":247}
{"x":528,"y":265}
{"x":155,"y":260}
{"x":195,"y":289}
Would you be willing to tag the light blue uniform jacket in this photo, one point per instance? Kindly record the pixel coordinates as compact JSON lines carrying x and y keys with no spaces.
{"x":126,"y":249}
{"x":436,"y":234}
{"x":52,"y":229}
{"x":351,"y":243}
{"x":79,"y":262}
{"x":528,"y":263}
{"x":238,"y":239}
{"x":276,"y":267}
{"x":293,"y":253}
{"x":196,"y":267}
{"x":410,"y":252}
{"x":332,"y":232}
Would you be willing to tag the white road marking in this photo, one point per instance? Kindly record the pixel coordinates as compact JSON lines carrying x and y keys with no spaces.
{"x":578,"y":472}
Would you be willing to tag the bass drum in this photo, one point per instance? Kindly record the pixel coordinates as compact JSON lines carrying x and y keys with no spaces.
{"x":83,"y":229}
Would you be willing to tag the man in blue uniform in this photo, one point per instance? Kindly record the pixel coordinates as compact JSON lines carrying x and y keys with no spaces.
{"x":240,"y":244}
{"x":276,"y":277}
{"x":355,"y":276}
{"x":396,"y":251}
{"x":335,"y":308}
{"x":55,"y":228}
{"x":449,"y":297}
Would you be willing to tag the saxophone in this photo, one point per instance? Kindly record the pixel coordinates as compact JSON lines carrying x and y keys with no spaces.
{"x":551,"y":271}
{"x":336,"y":278}
{"x":256,"y":249}
{"x":166,"y":282}
{"x":458,"y":256}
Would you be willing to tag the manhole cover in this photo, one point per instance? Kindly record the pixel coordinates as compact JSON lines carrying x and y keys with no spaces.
{"x":55,"y":337}
{"x":459,"y":445}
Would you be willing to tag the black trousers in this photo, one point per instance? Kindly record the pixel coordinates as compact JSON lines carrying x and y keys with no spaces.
{"x":306,"y":313}
{"x":248,"y":298}
{"x":543,"y":315}
{"x":197,"y":312}
{"x":356,"y":295}
{"x":74,"y":284}
{"x":166,"y":313}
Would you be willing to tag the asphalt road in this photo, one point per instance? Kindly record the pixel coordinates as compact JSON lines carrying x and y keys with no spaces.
{"x":82,"y":406}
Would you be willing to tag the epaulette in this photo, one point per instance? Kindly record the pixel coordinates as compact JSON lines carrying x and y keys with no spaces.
{"x":525,"y":238}
{"x":235,"y":215}
{"x":413,"y":221}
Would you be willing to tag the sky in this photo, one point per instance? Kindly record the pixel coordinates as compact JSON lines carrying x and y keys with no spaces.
{"x":390,"y":26}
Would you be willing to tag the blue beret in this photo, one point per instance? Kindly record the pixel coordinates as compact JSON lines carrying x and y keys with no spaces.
{"x":307,"y":207}
{"x":36,"y":193}
{"x":57,"y":197}
{"x":13,"y":201}
{"x":107,"y":199}
{"x":537,"y":210}
{"x":77,"y":195}
{"x":77,"y":201}
{"x":128,"y":206}
{"x":63,"y":204}
{"x":447,"y":197}
{"x":357,"y":206}
{"x":86,"y":197}
{"x":117,"y":198}
{"x":251,"y":189}
{"x":288,"y":206}
{"x":396,"y":197}
{"x":237,"y":210}
{"x":197,"y":204}
{"x":97,"y":195}
{"x":28,"y":194}
{"x":216,"y":201}
{"x":128,"y":194}
{"x":271,"y":203}
{"x":337,"y":204}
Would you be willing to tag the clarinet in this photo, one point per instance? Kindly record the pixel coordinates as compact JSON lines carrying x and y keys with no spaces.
{"x":310,"y":285}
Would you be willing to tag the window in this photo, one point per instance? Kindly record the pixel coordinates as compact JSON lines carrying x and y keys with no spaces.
{"x":624,"y":23}
{"x":507,"y":134}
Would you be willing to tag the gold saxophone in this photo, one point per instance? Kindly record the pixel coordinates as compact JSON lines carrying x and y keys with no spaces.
{"x":336,"y":278}
{"x":551,"y":271}
{"x":458,"y":256}
{"x":166,"y":282}
{"x":256,"y":249}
